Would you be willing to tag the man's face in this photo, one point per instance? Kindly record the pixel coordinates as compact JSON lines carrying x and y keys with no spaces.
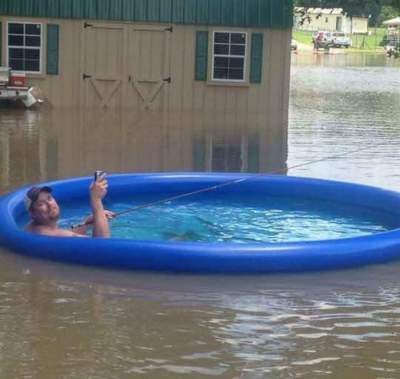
{"x":45,"y":209}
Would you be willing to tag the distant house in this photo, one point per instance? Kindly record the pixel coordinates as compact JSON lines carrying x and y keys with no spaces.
{"x":329,"y":19}
{"x":393,"y":27}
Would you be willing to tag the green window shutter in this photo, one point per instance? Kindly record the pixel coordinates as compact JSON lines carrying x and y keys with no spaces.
{"x":53,"y":34}
{"x":256,"y":60}
{"x":201,"y":55}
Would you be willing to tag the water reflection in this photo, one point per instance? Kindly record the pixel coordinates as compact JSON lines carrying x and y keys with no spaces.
{"x":336,"y":110}
{"x":38,"y":145}
{"x":340,"y":58}
{"x":21,"y":148}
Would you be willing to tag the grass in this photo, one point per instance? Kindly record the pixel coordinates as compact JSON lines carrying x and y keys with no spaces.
{"x":360,"y":43}
{"x":303,"y":37}
{"x":370,"y":42}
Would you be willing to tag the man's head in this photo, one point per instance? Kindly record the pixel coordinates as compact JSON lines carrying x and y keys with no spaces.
{"x":41,"y":205}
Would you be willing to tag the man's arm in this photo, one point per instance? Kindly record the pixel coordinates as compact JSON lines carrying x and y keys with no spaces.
{"x":66,"y":233}
{"x":88,"y":223}
{"x":98,"y":190}
{"x":80,"y":229}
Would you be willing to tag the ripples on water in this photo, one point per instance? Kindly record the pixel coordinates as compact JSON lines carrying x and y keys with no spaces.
{"x":61,"y":321}
{"x":316,"y":336}
{"x":335,"y":110}
{"x":91,"y":322}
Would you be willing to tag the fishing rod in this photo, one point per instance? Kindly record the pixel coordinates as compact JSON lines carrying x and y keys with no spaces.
{"x":221,"y":185}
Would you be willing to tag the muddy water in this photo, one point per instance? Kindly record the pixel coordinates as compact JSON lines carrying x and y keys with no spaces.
{"x":59,"y":321}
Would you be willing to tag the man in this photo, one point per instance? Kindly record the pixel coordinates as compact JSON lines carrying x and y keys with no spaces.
{"x":318,"y":40}
{"x":45,"y":212}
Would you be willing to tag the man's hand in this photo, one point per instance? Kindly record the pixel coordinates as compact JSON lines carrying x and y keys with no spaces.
{"x":98,"y":189}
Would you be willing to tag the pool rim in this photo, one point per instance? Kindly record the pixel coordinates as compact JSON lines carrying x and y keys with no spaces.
{"x":202,"y":257}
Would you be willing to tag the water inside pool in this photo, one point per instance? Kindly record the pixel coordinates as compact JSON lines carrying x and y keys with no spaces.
{"x":233,"y":220}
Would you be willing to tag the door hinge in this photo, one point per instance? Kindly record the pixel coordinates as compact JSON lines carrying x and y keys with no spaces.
{"x":170,"y":29}
{"x":84,"y":76}
{"x":86,"y":25}
{"x":168,"y":80}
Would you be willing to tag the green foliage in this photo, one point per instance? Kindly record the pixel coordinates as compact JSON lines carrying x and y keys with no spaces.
{"x":395,"y":4}
{"x":374,"y":41}
{"x":303,"y":36}
{"x":387,"y":13}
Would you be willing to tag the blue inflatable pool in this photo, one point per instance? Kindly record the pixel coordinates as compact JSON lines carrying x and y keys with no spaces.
{"x":195,"y":257}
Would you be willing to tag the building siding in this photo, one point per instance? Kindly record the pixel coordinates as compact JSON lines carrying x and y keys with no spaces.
{"x":326,"y":19}
{"x":321,"y":22}
{"x":180,"y":113}
{"x":359,"y":25}
{"x":249,"y":13}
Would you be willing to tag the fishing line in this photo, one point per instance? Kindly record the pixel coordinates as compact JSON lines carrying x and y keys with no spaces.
{"x":230,"y":182}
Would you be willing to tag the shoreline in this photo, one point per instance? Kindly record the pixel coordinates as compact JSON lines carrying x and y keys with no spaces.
{"x":302,"y":47}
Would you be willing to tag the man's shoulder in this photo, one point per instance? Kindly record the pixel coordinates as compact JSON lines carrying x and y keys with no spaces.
{"x":58,"y":232}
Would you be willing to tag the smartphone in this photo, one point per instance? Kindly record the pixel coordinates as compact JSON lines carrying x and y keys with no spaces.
{"x":97,"y":174}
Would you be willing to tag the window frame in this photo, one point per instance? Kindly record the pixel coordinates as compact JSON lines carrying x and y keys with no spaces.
{"x":245,"y":57}
{"x":40,"y":48}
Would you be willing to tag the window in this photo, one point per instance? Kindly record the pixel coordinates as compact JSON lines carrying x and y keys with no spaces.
{"x":24,"y":46}
{"x":229,"y":56}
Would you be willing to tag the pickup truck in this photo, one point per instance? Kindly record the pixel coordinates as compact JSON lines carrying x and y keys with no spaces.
{"x":339,"y":39}
{"x":322,"y":39}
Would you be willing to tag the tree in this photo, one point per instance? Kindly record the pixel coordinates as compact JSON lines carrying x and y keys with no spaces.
{"x":395,"y":4}
{"x":387,"y":13}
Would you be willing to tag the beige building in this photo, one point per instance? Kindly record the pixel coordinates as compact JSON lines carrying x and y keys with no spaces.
{"x":393,"y":27}
{"x":191,"y":67}
{"x":329,"y":19}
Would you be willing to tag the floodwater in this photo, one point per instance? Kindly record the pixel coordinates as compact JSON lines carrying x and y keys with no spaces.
{"x":60,"y":321}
